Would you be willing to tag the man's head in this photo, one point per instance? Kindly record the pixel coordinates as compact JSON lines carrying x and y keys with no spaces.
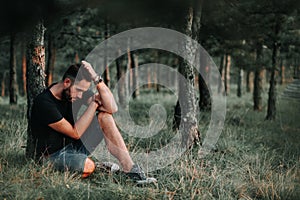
{"x":76,"y":80}
{"x":76,"y":72}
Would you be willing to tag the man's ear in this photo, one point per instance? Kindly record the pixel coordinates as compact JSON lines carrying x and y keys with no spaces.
{"x":67,"y":83}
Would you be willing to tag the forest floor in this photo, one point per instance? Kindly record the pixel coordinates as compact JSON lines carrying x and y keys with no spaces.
{"x":255,"y":159}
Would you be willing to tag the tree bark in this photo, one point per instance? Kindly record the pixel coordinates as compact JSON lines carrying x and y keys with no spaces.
{"x":149,"y":85}
{"x":157,"y":71}
{"x":221,"y":73}
{"x":189,"y":122}
{"x":204,"y":100}
{"x":248,"y":81}
{"x":13,"y":86}
{"x":121,"y":85}
{"x":51,"y":60}
{"x":227,"y":74}
{"x":271,"y":112}
{"x":3,"y":84}
{"x":129,"y":77}
{"x":133,"y":67}
{"x":239,"y":82}
{"x":35,"y":77}
{"x":258,"y":80}
{"x":154,"y":75}
{"x":24,"y":68}
{"x":135,"y":76}
{"x":282,"y":72}
{"x":76,"y":59}
{"x":106,"y":75}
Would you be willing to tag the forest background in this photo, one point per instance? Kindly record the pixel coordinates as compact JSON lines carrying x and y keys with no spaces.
{"x":255,"y":45}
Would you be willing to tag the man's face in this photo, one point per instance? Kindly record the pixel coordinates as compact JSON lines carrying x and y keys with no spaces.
{"x":74,"y":91}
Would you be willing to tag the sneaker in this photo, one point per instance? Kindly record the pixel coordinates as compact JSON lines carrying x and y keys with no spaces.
{"x":107,"y":166}
{"x":138,"y":175}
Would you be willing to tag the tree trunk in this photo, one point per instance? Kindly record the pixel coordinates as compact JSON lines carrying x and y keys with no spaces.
{"x":296,"y":69}
{"x":135,"y":76}
{"x":189,"y":122}
{"x":106,"y":75}
{"x":3,"y":83}
{"x":51,"y":61}
{"x":204,"y":100}
{"x":248,"y":81}
{"x":271,"y":112}
{"x":187,"y":109}
{"x":35,"y":77}
{"x":221,"y":73}
{"x":76,"y":59}
{"x":154,"y":75}
{"x":13,"y":87}
{"x":157,"y":77}
{"x":177,"y":116}
{"x":157,"y":70}
{"x":239,"y":82}
{"x":149,"y":75}
{"x":121,"y":85}
{"x":227,"y":74}
{"x":133,"y":65}
{"x":129,"y":77}
{"x":24,"y":68}
{"x":282,"y":72}
{"x":258,"y":81}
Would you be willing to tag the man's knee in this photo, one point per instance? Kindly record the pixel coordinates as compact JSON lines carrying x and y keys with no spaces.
{"x":89,"y":168}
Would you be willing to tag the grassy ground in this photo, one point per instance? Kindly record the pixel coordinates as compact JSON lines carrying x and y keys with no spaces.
{"x":256,"y":159}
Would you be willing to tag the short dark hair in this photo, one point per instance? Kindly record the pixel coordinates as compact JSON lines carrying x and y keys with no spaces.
{"x":76,"y":72}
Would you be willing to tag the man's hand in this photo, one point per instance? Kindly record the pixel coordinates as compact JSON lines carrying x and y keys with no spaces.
{"x":89,"y":69}
{"x":97,"y":100}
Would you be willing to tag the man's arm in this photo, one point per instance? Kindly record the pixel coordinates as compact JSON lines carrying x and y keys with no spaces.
{"x":106,"y":99}
{"x":76,"y":131}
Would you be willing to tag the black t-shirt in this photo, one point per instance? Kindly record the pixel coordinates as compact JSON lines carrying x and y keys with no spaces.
{"x":46,"y":110}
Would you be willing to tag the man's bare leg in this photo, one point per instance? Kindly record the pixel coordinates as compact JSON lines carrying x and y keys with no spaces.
{"x":114,"y":140}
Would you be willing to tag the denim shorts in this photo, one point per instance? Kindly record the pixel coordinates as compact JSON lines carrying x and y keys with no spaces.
{"x":72,"y":157}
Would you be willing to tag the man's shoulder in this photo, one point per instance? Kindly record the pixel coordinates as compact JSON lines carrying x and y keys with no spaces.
{"x":43,"y":95}
{"x":44,"y":98}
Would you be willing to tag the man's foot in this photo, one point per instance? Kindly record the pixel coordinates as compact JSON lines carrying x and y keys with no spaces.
{"x":138,"y":175}
{"x":107,"y":166}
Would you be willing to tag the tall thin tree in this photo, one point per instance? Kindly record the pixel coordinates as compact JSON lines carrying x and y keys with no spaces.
{"x":187,"y":111}
{"x":23,"y":52}
{"x":106,"y":75}
{"x":122,"y":81}
{"x":51,"y":60}
{"x":13,"y":87}
{"x":271,"y":112}
{"x":258,"y":79}
{"x":35,"y":76}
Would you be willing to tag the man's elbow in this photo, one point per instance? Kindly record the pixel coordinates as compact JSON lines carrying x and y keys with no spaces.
{"x":114,"y":109}
{"x":76,"y":137}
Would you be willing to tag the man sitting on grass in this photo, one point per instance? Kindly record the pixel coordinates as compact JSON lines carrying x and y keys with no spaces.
{"x":58,"y":135}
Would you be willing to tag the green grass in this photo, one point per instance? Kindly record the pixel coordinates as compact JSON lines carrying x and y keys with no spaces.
{"x":256,"y":159}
